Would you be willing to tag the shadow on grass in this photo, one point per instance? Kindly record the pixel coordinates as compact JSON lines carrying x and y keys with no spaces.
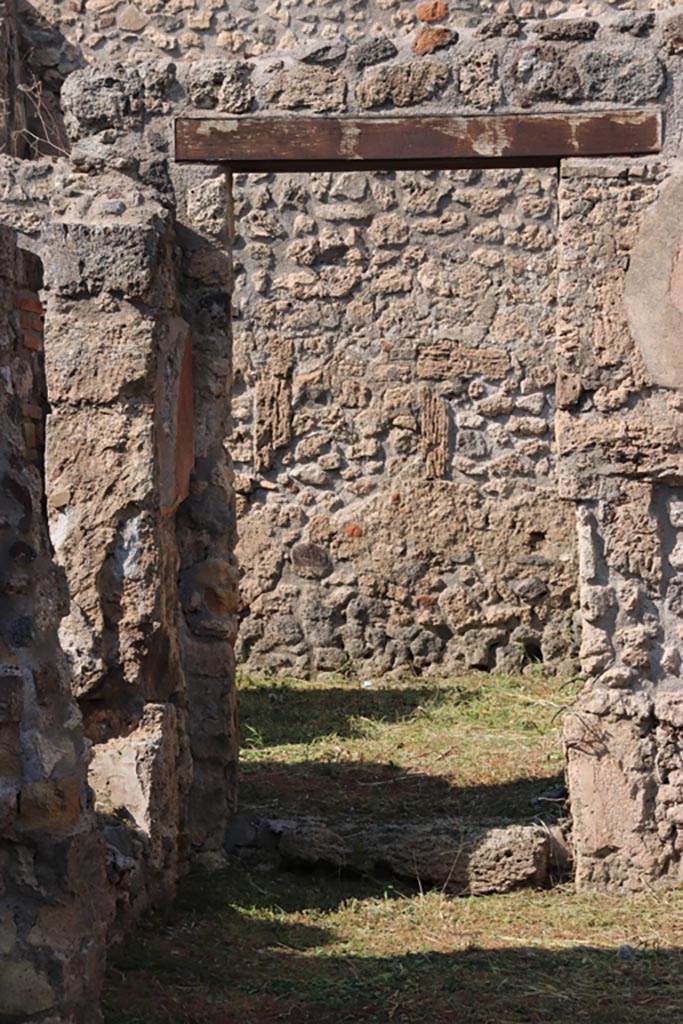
{"x":387,"y":792}
{"x":281,"y":714}
{"x":222,"y":955}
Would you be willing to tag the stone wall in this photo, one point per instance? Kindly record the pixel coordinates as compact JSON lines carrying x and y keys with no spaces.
{"x":198,"y":28}
{"x":338,"y":573}
{"x":156,"y":695}
{"x":120,"y":448}
{"x":394,"y":409}
{"x":499,"y":607}
{"x":388,"y":602}
{"x":619,"y":436}
{"x":11,"y":107}
{"x":114,"y":347}
{"x":54,"y":906}
{"x":206,"y":524}
{"x":445,"y":422}
{"x":488,"y":376}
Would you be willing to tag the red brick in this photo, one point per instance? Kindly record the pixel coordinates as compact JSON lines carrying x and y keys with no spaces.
{"x":432,"y":11}
{"x":31,"y":322}
{"x":353,"y":530}
{"x":29,"y":302}
{"x":430,"y":39}
{"x":33,"y":341}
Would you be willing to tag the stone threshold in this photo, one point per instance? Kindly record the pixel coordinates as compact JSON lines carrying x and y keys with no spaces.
{"x":462,"y":857}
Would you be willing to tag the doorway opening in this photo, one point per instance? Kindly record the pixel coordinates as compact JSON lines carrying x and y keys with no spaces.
{"x":409,"y":599}
{"x":395,"y":398}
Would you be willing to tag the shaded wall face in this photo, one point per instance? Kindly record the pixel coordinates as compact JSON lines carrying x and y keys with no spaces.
{"x":53,"y":901}
{"x":394,"y":422}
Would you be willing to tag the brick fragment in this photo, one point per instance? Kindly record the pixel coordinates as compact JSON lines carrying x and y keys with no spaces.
{"x":430,"y":39}
{"x":33,"y":341}
{"x":28,"y":302}
{"x":432,"y":11}
{"x":31,"y":322}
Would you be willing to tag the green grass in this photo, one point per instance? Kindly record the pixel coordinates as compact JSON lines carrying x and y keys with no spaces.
{"x":479,"y":746}
{"x":256,"y":945}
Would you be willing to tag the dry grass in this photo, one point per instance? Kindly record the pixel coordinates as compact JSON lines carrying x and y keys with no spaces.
{"x":256,"y":948}
{"x":478,"y":746}
{"x":259,"y":946}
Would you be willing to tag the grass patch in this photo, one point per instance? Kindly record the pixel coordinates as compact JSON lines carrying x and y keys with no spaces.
{"x":256,"y":948}
{"x":479,"y":746}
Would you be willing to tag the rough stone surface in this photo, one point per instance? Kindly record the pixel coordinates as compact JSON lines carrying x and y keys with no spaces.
{"x":12,"y":112}
{"x":436,"y":375}
{"x":653,"y":287}
{"x":118,"y":397}
{"x":464,"y":859}
{"x":118,"y":28}
{"x":135,"y":777}
{"x":402,"y":85}
{"x":621,"y":737}
{"x":393,"y":410}
{"x":52,"y":864}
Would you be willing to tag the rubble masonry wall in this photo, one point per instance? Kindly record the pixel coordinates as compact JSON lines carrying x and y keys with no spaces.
{"x":137,"y":296}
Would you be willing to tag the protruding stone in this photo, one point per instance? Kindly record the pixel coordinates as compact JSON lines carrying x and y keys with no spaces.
{"x":566,"y":29}
{"x":325,"y":53}
{"x":505,"y":25}
{"x":310,"y":561}
{"x":315,"y":88}
{"x":672,"y":33}
{"x":132,"y":19}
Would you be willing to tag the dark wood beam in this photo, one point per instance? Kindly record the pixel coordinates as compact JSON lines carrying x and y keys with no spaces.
{"x":334,"y":143}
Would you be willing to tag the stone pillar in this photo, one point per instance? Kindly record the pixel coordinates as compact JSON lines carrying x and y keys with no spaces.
{"x":54,"y":906}
{"x":118,"y":359}
{"x":619,"y":435}
{"x":201,"y":199}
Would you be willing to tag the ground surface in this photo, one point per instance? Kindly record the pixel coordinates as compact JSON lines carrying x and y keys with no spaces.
{"x":255,"y":945}
{"x":479,"y":746}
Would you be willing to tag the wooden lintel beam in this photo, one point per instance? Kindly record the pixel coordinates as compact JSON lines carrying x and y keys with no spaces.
{"x":335,"y":143}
